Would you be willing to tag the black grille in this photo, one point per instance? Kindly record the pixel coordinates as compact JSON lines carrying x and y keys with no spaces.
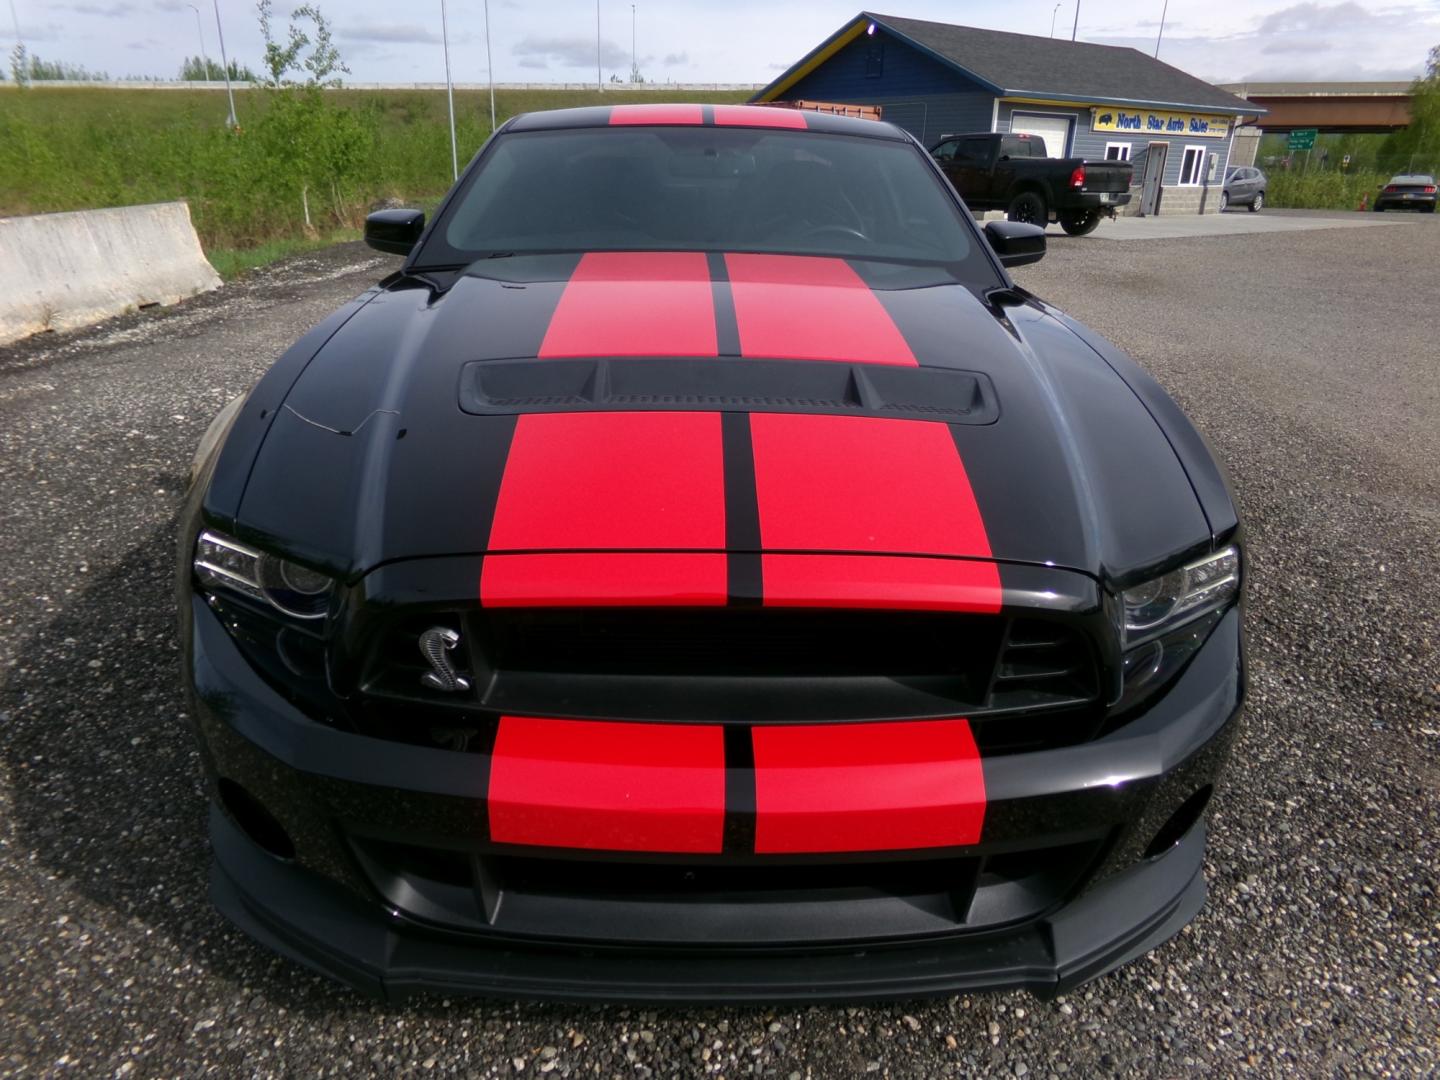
{"x":1021,"y":681}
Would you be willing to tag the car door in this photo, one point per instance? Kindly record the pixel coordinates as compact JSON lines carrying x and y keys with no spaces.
{"x":974,"y":178}
{"x":944,"y":156}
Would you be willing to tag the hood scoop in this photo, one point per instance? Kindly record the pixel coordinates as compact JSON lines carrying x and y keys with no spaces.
{"x":508,"y":387}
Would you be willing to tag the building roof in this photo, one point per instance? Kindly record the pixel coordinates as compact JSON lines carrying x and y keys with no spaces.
{"x":1320,"y":89}
{"x":1022,"y":65}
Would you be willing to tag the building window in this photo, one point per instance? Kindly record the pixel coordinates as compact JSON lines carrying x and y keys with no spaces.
{"x":1117,"y":151}
{"x":1192,"y":166}
{"x":874,"y":58}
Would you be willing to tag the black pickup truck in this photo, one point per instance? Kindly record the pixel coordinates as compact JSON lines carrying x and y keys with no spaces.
{"x":1012,"y":173}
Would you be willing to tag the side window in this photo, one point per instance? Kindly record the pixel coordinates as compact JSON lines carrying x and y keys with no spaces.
{"x":1016,"y":147}
{"x":974,"y":151}
{"x":946,"y":150}
{"x":1192,"y":166}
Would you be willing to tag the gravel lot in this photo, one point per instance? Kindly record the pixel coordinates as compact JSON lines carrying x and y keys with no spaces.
{"x":1308,"y":358}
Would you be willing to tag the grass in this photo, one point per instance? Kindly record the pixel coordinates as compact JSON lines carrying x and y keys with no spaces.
{"x":232,"y":262}
{"x":77,"y":148}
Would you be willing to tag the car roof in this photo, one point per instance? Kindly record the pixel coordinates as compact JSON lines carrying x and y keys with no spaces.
{"x":682,"y":114}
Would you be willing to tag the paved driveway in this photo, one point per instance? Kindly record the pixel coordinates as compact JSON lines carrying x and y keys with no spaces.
{"x":1241,"y":223}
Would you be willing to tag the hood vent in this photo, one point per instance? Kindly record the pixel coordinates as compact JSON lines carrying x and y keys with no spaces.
{"x":503,"y":387}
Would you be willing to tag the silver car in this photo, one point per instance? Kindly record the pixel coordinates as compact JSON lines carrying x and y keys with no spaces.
{"x":1244,"y":186}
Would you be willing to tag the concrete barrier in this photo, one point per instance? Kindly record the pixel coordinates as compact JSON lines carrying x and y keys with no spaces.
{"x":62,"y":271}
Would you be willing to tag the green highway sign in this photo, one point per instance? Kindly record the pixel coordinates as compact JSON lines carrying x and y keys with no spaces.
{"x":1303,"y":139}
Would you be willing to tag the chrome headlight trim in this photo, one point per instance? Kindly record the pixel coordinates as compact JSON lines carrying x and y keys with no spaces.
{"x":223,"y":562}
{"x":1162,"y":604}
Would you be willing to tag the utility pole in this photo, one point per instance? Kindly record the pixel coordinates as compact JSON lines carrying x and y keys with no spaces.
{"x":1052,"y":19}
{"x":450,"y":91}
{"x":490,"y":67}
{"x":634,"y":67}
{"x":201,"y":31}
{"x":225,"y":65}
{"x":1075,"y":29}
{"x":1161,"y":34}
{"x":599,"y":81}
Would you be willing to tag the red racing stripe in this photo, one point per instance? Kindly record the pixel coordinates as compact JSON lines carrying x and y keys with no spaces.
{"x":867,"y":787}
{"x":881,"y":581}
{"x":605,"y":579}
{"x":859,"y":483}
{"x":608,"y":786}
{"x":758,"y":116}
{"x":578,"y":482}
{"x":635,"y":303}
{"x":582,"y":481}
{"x":801,"y":307}
{"x":656,"y":114}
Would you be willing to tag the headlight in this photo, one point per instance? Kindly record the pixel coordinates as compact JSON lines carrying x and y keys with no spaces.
{"x":223,"y":563}
{"x":1164,"y":603}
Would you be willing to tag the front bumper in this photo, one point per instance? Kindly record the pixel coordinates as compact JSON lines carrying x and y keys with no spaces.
{"x":321,"y":909}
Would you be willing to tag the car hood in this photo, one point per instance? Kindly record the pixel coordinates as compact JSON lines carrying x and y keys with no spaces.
{"x":694,"y":403}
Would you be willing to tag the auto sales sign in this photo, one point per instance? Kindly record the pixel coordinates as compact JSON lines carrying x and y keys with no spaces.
{"x":1156,"y":123}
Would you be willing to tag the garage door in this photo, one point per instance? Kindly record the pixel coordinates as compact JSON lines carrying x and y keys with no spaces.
{"x":1055,"y":130}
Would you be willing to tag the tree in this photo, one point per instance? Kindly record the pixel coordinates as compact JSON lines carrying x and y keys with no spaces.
{"x":323,"y":64}
{"x":200,"y":69}
{"x":1416,"y":147}
{"x":20,"y":64}
{"x":312,"y":144}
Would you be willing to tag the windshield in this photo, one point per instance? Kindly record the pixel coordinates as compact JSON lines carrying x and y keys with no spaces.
{"x":701,"y":188}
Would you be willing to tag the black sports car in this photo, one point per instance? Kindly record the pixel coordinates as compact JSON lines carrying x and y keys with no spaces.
{"x":700,"y":573}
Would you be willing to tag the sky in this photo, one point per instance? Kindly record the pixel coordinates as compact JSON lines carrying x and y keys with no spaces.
{"x":728,"y":41}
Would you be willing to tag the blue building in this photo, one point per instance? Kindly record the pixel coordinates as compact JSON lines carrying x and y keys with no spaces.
{"x":1084,"y":100}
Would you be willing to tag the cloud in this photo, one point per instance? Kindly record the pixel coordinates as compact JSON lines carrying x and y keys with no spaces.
{"x":676,"y":59}
{"x":170,"y":5}
{"x":573,"y":52}
{"x":1307,"y":45}
{"x":394,"y":34}
{"x":1310,"y":16}
{"x":105,"y":11}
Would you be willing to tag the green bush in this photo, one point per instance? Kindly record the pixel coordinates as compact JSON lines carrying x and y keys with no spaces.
{"x":1322,"y":190}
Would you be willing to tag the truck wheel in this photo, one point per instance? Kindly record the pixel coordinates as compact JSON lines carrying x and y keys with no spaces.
{"x":1028,"y":207}
{"x":1080,"y":222}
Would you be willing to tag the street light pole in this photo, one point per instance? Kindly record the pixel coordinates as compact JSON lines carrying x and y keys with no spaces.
{"x":1052,"y":19}
{"x":599,"y":82}
{"x":1161,"y":34}
{"x":449,"y":91}
{"x":1074,"y":29}
{"x":490,"y":67}
{"x":634,"y":67}
{"x":201,"y":31}
{"x":225,"y":66}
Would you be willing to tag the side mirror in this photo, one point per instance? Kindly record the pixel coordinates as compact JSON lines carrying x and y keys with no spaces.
{"x":1017,"y":243}
{"x":394,"y":231}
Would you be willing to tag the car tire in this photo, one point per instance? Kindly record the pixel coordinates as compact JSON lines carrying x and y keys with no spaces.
{"x":1224,"y":202}
{"x":1028,"y":207}
{"x":1427,"y":209}
{"x":1257,"y":203}
{"x":1080,"y":223}
{"x":1379,"y":209}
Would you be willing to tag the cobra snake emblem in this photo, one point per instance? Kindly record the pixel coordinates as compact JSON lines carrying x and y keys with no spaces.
{"x":436,"y":645}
